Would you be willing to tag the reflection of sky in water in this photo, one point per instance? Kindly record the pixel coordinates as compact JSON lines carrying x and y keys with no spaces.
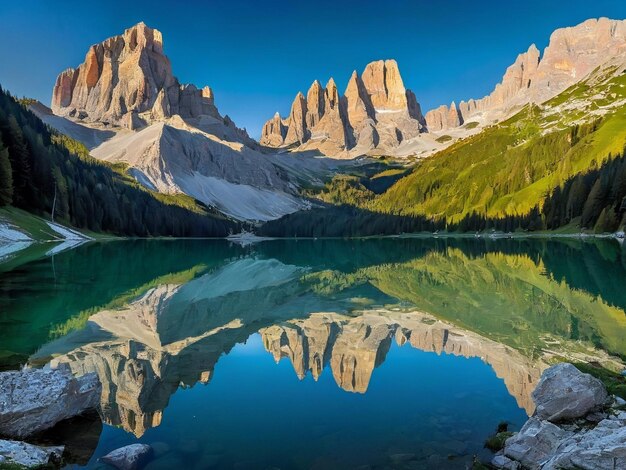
{"x":255,"y":410}
{"x":151,"y":315}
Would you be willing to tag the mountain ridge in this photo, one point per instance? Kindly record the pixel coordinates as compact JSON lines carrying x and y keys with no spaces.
{"x":125,"y":102}
{"x":573,"y":52}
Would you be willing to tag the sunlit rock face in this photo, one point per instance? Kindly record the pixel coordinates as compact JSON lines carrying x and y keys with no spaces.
{"x":179,"y":143}
{"x":571,"y":55}
{"x":354,"y":346}
{"x":127,"y":80}
{"x":375,"y":112}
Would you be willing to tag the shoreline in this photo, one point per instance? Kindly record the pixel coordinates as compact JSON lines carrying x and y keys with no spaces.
{"x":259,"y":238}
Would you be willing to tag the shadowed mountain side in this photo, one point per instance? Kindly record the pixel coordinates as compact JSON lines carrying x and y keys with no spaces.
{"x":354,"y":346}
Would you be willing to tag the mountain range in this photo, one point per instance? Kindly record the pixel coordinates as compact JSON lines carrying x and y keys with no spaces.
{"x":554,"y":116}
{"x":377,"y":115}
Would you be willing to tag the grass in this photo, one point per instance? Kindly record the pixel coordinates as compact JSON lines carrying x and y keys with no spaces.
{"x":13,"y":466}
{"x":506,"y":298}
{"x":509,"y":168}
{"x":32,"y":225}
{"x":443,"y":139}
{"x":496,"y":442}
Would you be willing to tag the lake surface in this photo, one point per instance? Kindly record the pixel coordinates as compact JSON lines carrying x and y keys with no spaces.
{"x":378,"y":353}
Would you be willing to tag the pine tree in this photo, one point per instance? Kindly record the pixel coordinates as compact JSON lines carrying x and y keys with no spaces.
{"x":20,"y":163}
{"x":6,"y":177}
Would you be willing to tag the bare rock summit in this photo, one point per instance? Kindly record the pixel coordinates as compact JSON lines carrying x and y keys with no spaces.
{"x":127,"y":81}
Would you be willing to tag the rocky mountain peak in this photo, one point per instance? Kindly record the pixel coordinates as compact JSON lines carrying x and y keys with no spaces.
{"x":331,"y":95}
{"x":384,"y":85}
{"x":571,"y":55}
{"x":127,"y":80}
{"x":375,"y":110}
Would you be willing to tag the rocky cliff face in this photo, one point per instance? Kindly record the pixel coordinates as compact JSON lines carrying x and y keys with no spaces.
{"x":375,"y":112}
{"x":127,"y":80}
{"x":571,"y":55}
{"x":179,"y":141}
{"x":378,"y":115}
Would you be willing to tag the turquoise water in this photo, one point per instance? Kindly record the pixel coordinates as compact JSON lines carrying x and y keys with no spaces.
{"x":389,"y":353}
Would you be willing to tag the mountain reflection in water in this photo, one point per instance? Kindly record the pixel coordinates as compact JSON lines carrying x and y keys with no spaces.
{"x":328,"y":306}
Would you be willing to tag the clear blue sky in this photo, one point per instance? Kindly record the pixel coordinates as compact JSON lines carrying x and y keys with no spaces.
{"x":257,"y":54}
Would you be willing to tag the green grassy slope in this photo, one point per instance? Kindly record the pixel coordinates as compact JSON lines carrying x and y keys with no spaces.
{"x":510,"y":167}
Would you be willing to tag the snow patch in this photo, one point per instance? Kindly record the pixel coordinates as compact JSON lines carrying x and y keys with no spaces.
{"x":10,"y":248}
{"x":387,"y":111}
{"x":8,"y":233}
{"x":246,"y":238}
{"x":66,"y":233}
{"x":240,"y":201}
{"x":66,"y":245}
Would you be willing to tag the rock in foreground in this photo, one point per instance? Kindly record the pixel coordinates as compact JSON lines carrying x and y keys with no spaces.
{"x":565,"y":393}
{"x":129,"y":457}
{"x":33,"y":400}
{"x":28,"y":455}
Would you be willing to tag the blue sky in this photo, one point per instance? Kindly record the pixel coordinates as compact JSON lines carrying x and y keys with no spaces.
{"x":256,"y":55}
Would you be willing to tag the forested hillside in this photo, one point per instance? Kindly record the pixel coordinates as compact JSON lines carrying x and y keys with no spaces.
{"x":41,"y":169}
{"x":561,"y":163}
{"x":510,"y":168}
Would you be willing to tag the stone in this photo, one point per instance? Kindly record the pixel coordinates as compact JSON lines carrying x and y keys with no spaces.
{"x":572,"y":53}
{"x":33,"y":400}
{"x":565,"y":393}
{"x":29,"y":455}
{"x":443,"y":118}
{"x":535,"y":443}
{"x":502,"y":461}
{"x":384,"y":85}
{"x":314,"y":104}
{"x":274,"y":132}
{"x":380,"y":114}
{"x":376,"y":111}
{"x":603,"y":448}
{"x":618,"y":401}
{"x":296,"y":124}
{"x":354,"y":347}
{"x":128,"y":74}
{"x":129,"y":457}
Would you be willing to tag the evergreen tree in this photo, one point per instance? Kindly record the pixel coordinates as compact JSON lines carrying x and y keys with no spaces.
{"x":6,"y":177}
{"x":20,"y":164}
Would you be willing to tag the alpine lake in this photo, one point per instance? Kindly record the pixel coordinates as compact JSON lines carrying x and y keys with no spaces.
{"x":399,"y":353}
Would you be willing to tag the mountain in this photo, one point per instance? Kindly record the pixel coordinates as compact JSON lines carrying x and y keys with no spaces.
{"x":547,"y":151}
{"x":124,"y":103}
{"x":376,"y":111}
{"x":572,"y":54}
{"x":49,"y":174}
{"x":511,"y":167}
{"x":377,"y":115}
{"x":355,"y":346}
